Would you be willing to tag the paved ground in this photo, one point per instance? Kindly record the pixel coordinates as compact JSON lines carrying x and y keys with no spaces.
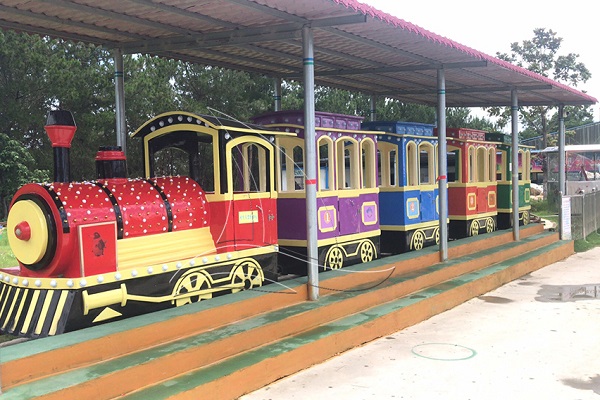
{"x":529,"y":339}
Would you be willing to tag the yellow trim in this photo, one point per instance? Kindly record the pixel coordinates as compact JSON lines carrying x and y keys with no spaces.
{"x":296,"y":195}
{"x":43,"y":315}
{"x":30,"y":311}
{"x":362,"y":213}
{"x":473,"y":184}
{"x":12,"y":306}
{"x":32,"y":250}
{"x":252,"y":195}
{"x":58,"y":312}
{"x":347,"y":193}
{"x":411,"y":227}
{"x":19,"y":310}
{"x":140,"y":269}
{"x":326,"y":209}
{"x":247,"y":217}
{"x":472,"y":201}
{"x":509,"y":210}
{"x":413,"y":200}
{"x":492,"y":199}
{"x":335,"y":240}
{"x":245,"y":140}
{"x":175,"y":128}
{"x":474,"y":216}
{"x":153,"y":249}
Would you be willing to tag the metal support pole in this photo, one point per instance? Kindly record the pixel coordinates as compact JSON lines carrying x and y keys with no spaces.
{"x":442,"y":164}
{"x":310,"y":167}
{"x":121,"y":127}
{"x":561,"y":164}
{"x":515,"y":163}
{"x":373,"y":110}
{"x":277,"y":95}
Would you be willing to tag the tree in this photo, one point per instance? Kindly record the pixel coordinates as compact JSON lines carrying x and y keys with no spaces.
{"x":541,"y":55}
{"x":16,"y":169}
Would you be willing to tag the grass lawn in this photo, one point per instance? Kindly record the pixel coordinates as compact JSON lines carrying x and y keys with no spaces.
{"x":6,"y":256}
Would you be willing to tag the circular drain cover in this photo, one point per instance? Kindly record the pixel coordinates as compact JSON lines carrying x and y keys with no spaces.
{"x":443,"y":351}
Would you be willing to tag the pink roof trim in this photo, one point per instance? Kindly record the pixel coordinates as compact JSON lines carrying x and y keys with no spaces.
{"x":407,"y":26}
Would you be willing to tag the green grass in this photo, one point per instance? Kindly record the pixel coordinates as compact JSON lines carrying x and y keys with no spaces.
{"x":7,"y":259}
{"x":593,"y":240}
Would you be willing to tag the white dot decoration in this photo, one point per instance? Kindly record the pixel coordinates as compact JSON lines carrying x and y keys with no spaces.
{"x":82,"y":283}
{"x":118,"y":276}
{"x":150,"y":270}
{"x":53,"y":283}
{"x":100,"y":279}
{"x":70,"y":283}
{"x":25,"y":282}
{"x":134,"y":273}
{"x":38,"y":283}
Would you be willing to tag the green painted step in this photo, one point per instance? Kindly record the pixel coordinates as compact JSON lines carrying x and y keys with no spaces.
{"x":82,"y":375}
{"x":193,"y":379}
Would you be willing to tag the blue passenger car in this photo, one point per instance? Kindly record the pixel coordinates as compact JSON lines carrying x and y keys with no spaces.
{"x":408,"y":190}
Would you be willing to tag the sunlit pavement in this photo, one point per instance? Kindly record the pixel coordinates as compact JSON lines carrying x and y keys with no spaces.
{"x":537,"y":337}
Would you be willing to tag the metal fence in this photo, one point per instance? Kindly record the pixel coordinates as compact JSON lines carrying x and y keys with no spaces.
{"x":585,"y":214}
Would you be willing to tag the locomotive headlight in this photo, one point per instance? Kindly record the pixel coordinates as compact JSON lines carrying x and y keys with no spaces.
{"x":27,"y":231}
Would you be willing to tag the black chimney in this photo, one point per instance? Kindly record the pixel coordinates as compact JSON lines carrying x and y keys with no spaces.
{"x":60,"y":127}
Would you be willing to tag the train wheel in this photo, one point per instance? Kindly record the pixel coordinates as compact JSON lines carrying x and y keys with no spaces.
{"x":246,"y":275}
{"x":191,"y":288}
{"x":489,"y":225}
{"x":437,"y":236}
{"x":525,"y":217}
{"x":418,"y":240}
{"x":474,"y":230}
{"x":334,"y":258}
{"x":367,"y":251}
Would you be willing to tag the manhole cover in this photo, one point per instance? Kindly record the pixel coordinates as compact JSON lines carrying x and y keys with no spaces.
{"x":443,"y":351}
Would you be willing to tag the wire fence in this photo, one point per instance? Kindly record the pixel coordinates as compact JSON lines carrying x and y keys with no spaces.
{"x":585,"y":214}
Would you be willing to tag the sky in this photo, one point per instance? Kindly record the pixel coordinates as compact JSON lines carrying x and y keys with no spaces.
{"x":491,"y":27}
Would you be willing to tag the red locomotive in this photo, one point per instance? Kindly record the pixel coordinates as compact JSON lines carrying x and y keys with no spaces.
{"x":98,"y":251}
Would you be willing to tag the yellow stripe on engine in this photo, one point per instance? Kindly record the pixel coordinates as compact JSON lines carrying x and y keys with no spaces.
{"x":171,"y":246}
{"x":43,"y":313}
{"x":59,"y":309}
{"x":12,"y":306}
{"x":4,"y":288}
{"x":32,"y":307}
{"x":19,"y":310}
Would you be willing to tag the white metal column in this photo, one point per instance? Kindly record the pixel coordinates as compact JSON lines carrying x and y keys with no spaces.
{"x":561,"y":165}
{"x":515,"y":163}
{"x":442,"y":165}
{"x":310,"y":167}
{"x":121,"y":127}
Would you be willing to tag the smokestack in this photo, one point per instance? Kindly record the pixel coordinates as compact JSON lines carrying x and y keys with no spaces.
{"x":60,"y":127}
{"x":111,"y":163}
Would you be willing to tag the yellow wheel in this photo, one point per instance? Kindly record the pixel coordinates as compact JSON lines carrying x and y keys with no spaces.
{"x":418,"y":240}
{"x":489,"y":225}
{"x":367,"y":251}
{"x":28,"y":232}
{"x":246,"y":275}
{"x":474,"y":230}
{"x":192,"y":287}
{"x":526,"y":218}
{"x":334,"y":258}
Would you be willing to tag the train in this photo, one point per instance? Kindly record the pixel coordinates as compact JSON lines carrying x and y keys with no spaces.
{"x":221,"y":208}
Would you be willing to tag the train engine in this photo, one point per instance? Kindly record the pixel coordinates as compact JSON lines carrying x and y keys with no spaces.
{"x":102,"y":250}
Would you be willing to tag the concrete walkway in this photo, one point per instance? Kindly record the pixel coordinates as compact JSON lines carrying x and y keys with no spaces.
{"x":535,"y":338}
